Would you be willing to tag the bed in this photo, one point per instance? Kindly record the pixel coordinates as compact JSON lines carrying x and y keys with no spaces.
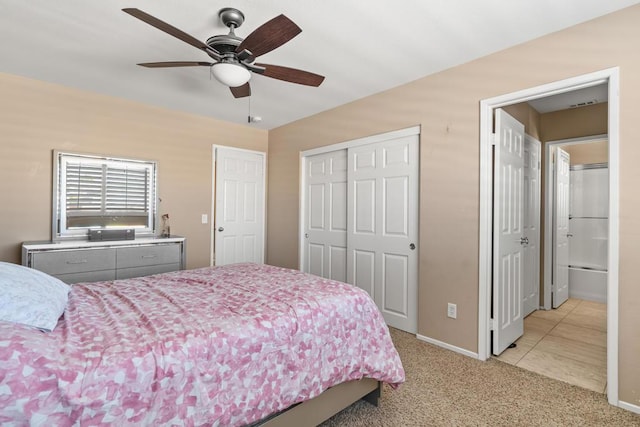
{"x":230,"y":345}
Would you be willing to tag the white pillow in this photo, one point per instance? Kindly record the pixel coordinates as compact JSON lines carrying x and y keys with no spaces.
{"x":31,"y":297}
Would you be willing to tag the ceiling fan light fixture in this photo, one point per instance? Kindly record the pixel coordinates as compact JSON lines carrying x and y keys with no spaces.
{"x":230,"y":74}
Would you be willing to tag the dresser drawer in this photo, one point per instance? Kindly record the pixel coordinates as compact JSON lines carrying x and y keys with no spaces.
{"x":140,"y":256}
{"x":74,"y":261}
{"x":126,"y":273}
{"x":88,"y":276}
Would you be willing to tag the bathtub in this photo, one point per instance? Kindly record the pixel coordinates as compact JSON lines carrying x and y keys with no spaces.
{"x":587,"y":284}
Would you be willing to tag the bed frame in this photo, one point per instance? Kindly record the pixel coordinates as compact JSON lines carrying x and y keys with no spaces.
{"x":324,"y":406}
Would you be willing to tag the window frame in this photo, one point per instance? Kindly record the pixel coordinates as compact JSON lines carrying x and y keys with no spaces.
{"x":59,"y":228}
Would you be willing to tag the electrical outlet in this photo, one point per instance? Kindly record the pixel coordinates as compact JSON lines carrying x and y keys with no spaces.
{"x":452,"y":310}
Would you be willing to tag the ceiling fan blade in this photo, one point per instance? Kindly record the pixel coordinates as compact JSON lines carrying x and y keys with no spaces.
{"x":241,"y":91}
{"x":270,"y":35}
{"x":169,"y":29}
{"x":292,"y":75}
{"x":175,"y":64}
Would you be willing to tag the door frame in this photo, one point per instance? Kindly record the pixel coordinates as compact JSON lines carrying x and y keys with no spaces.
{"x":414,"y":130}
{"x":212,"y":213}
{"x":548,"y":218}
{"x":612,"y":77}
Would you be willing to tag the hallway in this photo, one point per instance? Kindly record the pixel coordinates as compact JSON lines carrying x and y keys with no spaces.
{"x":568,"y":344}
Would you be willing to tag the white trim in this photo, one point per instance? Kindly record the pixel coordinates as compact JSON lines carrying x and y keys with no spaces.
{"x":301,"y":208}
{"x":410,"y":131}
{"x":614,"y":236}
{"x":442,"y":344}
{"x":485,"y":258}
{"x":213,"y":205}
{"x":548,"y":213}
{"x":212,"y":216}
{"x":629,"y":406}
{"x":610,"y":76}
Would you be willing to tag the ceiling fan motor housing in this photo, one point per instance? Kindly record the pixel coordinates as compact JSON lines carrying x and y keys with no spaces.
{"x":224,"y":43}
{"x":227,"y":44}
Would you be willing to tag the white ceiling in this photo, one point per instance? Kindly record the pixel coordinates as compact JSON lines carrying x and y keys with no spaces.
{"x":574,"y":99}
{"x":361,"y":48}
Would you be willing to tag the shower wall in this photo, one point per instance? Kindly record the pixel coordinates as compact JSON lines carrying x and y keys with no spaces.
{"x":588,"y":228}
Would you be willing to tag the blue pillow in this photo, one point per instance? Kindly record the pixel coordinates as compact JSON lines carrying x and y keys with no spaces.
{"x":31,"y":297}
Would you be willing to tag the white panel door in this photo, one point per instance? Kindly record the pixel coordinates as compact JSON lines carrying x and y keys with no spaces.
{"x":382,"y":226}
{"x":531,"y":226}
{"x":508,"y":239}
{"x":325,"y":221}
{"x":239,"y":206}
{"x":560,"y":275}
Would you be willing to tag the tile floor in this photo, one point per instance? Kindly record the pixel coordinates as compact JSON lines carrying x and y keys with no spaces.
{"x":568,"y":344}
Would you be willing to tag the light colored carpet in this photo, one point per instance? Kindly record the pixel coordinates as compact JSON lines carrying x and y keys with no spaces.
{"x":444,"y":388}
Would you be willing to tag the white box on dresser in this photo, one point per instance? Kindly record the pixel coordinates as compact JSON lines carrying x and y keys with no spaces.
{"x":83,"y":261}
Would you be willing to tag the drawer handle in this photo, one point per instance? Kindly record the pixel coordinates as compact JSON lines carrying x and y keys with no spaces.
{"x":149,"y":256}
{"x":82,"y":261}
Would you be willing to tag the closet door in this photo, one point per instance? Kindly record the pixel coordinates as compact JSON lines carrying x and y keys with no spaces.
{"x":325,"y":221}
{"x":382,"y":226}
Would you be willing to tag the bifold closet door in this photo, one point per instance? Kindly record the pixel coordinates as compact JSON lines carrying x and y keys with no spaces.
{"x":382,"y":226}
{"x":325,"y":228}
{"x":508,"y":238}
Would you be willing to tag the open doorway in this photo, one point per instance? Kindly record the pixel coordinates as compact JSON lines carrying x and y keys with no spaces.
{"x":486,"y":321}
{"x":566,"y":338}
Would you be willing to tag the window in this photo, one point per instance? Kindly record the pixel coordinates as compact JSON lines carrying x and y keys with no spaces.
{"x":96,"y":192}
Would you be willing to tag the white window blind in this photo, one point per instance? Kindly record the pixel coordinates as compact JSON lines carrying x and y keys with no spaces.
{"x":127,"y":189}
{"x":84,"y":188}
{"x":106,"y":189}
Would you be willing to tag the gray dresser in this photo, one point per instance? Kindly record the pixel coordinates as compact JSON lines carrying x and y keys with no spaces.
{"x":81,"y":261}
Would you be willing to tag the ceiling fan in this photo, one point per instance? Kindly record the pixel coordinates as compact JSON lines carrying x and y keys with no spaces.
{"x":234,"y":56}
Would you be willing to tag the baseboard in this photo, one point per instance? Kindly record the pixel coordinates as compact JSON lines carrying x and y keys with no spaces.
{"x":629,"y":406}
{"x":587,"y":296}
{"x":448,"y":346}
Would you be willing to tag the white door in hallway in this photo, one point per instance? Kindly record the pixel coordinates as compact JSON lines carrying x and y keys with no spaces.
{"x":239,"y":206}
{"x":531,"y":226}
{"x":325,"y":220}
{"x":382,"y":226}
{"x":560,"y":274}
{"x":508,"y":238}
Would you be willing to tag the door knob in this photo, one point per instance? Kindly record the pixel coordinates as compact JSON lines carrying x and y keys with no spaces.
{"x":306,"y":235}
{"x":412,"y":246}
{"x":569,"y":235}
{"x":220,"y":228}
{"x":524,"y":240}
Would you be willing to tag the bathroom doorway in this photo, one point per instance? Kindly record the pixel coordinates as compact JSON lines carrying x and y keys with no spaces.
{"x":487,"y":321}
{"x":569,"y":343}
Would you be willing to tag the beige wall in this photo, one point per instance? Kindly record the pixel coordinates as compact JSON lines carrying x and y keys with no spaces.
{"x":446,"y":105}
{"x":593,"y":152}
{"x":526,"y":115}
{"x":38,"y":117}
{"x":574,"y":122}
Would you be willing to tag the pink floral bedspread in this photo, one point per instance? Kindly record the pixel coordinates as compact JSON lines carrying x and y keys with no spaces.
{"x":215,"y":346}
